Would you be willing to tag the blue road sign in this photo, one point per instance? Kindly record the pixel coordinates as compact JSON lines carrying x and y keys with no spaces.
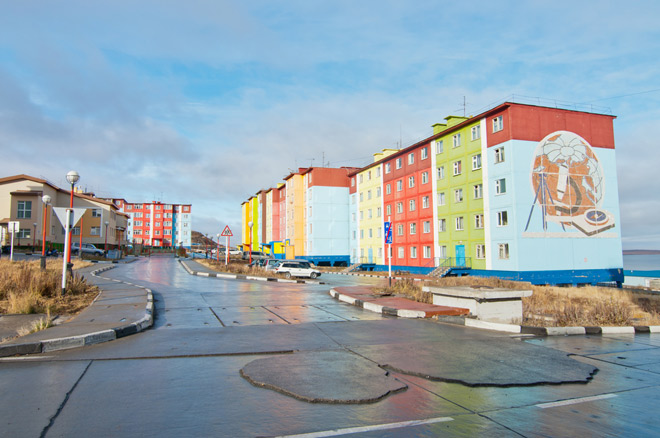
{"x":388,"y":232}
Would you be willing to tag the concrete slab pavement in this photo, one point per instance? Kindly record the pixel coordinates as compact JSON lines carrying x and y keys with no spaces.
{"x":121,"y":309}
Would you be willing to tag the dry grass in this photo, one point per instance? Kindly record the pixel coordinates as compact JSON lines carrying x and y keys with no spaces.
{"x":240,"y":268}
{"x":407,"y":288}
{"x":25,"y":288}
{"x":573,"y":306}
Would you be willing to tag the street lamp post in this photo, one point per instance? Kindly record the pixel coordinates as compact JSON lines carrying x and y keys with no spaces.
{"x":217,"y":254}
{"x":72,"y":177}
{"x":105,"y":246}
{"x":250,"y":226}
{"x":34,"y":235}
{"x":45,"y":199}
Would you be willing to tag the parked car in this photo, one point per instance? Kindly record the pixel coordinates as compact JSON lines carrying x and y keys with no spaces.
{"x":234,"y":251}
{"x":87,"y":248}
{"x":255,"y":255}
{"x":271,"y":264}
{"x":297,"y":269}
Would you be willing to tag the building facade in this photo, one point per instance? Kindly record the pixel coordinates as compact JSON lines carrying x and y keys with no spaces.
{"x":157,"y":224}
{"x":21,"y":200}
{"x":519,"y":191}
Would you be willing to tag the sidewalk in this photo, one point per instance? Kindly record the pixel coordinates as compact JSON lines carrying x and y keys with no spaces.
{"x":121,"y":309}
{"x":363,"y":296}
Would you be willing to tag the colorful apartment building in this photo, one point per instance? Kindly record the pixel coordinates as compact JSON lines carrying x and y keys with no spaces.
{"x":157,"y":224}
{"x":519,"y":191}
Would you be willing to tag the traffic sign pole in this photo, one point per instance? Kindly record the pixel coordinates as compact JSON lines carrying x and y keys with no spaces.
{"x":388,"y":240}
{"x":227,"y":232}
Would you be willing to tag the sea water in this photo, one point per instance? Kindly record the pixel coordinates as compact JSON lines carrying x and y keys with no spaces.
{"x":642,"y":262}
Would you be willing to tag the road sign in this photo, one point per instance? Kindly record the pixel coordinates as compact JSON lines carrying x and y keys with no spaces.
{"x":226,"y":232}
{"x":13,"y":227}
{"x":60,"y":213}
{"x":388,"y":232}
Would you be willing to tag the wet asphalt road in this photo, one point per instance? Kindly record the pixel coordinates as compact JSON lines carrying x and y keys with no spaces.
{"x":182,"y":378}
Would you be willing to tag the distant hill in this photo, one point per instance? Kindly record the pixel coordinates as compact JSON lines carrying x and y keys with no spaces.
{"x":641,"y":252}
{"x":198,"y":238}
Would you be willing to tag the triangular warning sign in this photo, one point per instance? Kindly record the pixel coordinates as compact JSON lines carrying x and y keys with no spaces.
{"x":226,"y":232}
{"x":60,"y":213}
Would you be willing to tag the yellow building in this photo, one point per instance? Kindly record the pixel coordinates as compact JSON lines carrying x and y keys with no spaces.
{"x":295,"y":214}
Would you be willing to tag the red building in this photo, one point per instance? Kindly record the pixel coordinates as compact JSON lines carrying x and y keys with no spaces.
{"x":408,"y":200}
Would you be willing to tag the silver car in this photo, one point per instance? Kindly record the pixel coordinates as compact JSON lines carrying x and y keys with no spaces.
{"x":297,"y":269}
{"x":87,"y":248}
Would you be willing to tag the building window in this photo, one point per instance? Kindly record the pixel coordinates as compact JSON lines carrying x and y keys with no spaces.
{"x":413,"y":228}
{"x":361,"y":215}
{"x":439,"y":146}
{"x":498,"y":125}
{"x":369,"y":215}
{"x":425,"y":177}
{"x":411,"y":205}
{"x":456,"y":140}
{"x":481,"y":251}
{"x":24,"y":233}
{"x":137,"y":223}
{"x":443,"y":252}
{"x":411,"y":158}
{"x":475,"y":132}
{"x":377,"y":171}
{"x":388,"y":167}
{"x":457,"y":168}
{"x":504,"y":251}
{"x":458,"y":195}
{"x":499,"y":155}
{"x":371,"y":233}
{"x":500,"y":186}
{"x":399,"y":207}
{"x":441,"y":198}
{"x":352,"y":182}
{"x":413,"y":252}
{"x":388,"y":189}
{"x":361,"y":178}
{"x":368,"y":194}
{"x":96,"y":231}
{"x":476,"y":162}
{"x":402,"y":252}
{"x":361,"y":196}
{"x":398,"y":163}
{"x":378,"y":232}
{"x":425,"y":202}
{"x":399,"y":185}
{"x":427,"y":252}
{"x":24,"y":210}
{"x":426,"y":226}
{"x":478,"y":191}
{"x":361,"y":234}
{"x":378,"y":212}
{"x":478,"y":221}
{"x":502,"y":219}
{"x":441,"y":172}
{"x":399,"y":230}
{"x":378,"y":192}
{"x":442,"y":225}
{"x":411,"y":181}
{"x":369,"y":175}
{"x":424,"y":153}
{"x":388,"y":209}
{"x":459,"y":223}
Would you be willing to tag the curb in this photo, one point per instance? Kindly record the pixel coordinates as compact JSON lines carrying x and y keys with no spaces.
{"x":495,"y":326}
{"x":243,"y":277}
{"x":373,"y":307}
{"x":547,"y":331}
{"x":87,"y":339}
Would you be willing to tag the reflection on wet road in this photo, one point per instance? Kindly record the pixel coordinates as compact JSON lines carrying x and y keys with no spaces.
{"x":182,"y":378}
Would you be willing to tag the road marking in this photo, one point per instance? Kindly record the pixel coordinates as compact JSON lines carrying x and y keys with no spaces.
{"x":574,"y":401}
{"x":346,"y":431}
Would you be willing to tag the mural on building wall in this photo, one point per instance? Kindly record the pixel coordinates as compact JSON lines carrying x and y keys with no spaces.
{"x":569,"y":185}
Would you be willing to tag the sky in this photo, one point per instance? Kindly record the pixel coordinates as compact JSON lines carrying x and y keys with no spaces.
{"x":207,"y":102}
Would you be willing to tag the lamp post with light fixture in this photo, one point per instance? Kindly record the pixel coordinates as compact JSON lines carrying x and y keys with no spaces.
{"x":45,"y":199}
{"x":217,"y":254}
{"x":72,"y":177}
{"x":105,"y":245}
{"x":34,"y":235}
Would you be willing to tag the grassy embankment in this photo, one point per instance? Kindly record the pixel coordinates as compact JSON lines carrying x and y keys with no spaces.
{"x":551,"y":306}
{"x":26,"y":289}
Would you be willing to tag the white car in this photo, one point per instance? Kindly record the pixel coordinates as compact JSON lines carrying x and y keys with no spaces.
{"x":297,"y":269}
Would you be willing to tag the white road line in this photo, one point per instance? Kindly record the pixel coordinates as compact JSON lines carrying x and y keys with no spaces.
{"x":574,"y":401}
{"x":339,"y":432}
